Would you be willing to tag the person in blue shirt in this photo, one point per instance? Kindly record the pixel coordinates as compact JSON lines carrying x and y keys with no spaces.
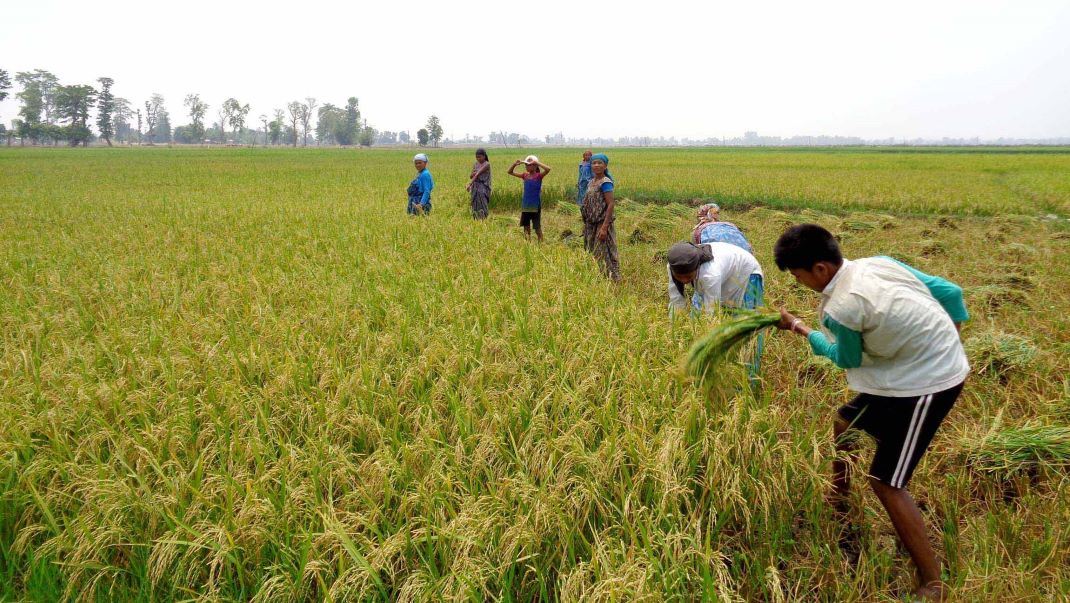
{"x":420,"y":188}
{"x":531,"y":204}
{"x":585,"y":176}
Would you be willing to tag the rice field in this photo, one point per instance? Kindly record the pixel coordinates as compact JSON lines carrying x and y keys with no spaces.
{"x":246,"y":374}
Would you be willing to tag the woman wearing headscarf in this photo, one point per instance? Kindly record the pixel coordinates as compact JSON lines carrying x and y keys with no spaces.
{"x":584,"y":177}
{"x":721,"y":274}
{"x":479,"y":185}
{"x":599,"y":233}
{"x":420,"y":188}
{"x":710,"y":229}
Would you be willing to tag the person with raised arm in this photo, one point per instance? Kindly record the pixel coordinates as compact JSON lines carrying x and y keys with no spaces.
{"x":531,"y":203}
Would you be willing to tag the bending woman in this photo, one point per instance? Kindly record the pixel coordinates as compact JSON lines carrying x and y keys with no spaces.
{"x":721,"y":275}
{"x":710,"y":229}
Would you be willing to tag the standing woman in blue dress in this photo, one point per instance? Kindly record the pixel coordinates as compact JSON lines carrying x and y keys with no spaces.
{"x":420,"y":188}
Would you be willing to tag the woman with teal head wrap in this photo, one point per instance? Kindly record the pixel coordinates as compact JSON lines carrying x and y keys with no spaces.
{"x":605,"y":162}
{"x":599,"y":232}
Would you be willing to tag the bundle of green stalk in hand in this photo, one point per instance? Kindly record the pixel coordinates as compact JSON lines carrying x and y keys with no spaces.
{"x":712,"y":351}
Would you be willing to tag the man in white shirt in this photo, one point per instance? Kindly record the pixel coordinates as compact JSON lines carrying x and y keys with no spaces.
{"x":895,"y":330}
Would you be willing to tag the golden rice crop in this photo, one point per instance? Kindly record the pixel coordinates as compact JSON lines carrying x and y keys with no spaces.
{"x":234,"y":374}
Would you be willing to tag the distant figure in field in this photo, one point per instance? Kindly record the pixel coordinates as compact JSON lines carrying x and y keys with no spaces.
{"x":896,"y":332}
{"x":584,"y":178}
{"x":420,"y":188}
{"x":479,"y":185}
{"x":599,"y":233}
{"x":710,"y":229}
{"x":721,"y":274}
{"x":531,"y":204}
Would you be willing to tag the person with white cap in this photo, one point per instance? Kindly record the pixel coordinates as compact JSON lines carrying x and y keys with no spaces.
{"x":531,"y":204}
{"x":420,"y":188}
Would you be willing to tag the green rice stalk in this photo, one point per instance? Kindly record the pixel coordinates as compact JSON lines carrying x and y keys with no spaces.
{"x":711,"y":351}
{"x":1015,"y":449}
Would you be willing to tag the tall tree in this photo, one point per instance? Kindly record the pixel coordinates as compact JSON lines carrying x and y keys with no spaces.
{"x":263,"y":120}
{"x":422,"y":136}
{"x":236,"y":114}
{"x":276,"y":126}
{"x":48,"y":84}
{"x":72,"y":106}
{"x":434,"y":130}
{"x":162,"y":131}
{"x":295,"y":108}
{"x":329,"y":120}
{"x":306,"y":117}
{"x":152,"y":115}
{"x":123,"y":115}
{"x":32,"y":106}
{"x":105,"y":109}
{"x":139,"y":126}
{"x":352,"y":124}
{"x":5,"y":84}
{"x":197,"y":110}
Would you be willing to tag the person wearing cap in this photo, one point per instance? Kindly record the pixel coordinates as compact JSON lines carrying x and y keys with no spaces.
{"x":721,"y":274}
{"x":710,"y":229}
{"x":584,"y":178}
{"x":420,"y":188}
{"x":599,"y":232}
{"x":531,"y":204}
{"x":479,"y":185}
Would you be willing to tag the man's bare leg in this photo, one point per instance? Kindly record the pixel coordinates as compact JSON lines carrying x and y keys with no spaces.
{"x":910,"y":526}
{"x":841,"y":488}
{"x":841,"y":469}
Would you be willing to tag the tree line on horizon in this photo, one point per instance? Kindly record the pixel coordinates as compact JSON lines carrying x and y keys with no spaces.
{"x":53,"y":113}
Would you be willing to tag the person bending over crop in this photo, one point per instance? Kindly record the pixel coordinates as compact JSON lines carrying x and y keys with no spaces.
{"x":420,"y":188}
{"x":479,"y":185}
{"x":531,"y":204}
{"x":599,"y":233}
{"x":584,"y":178}
{"x":896,"y":331}
{"x":710,"y":229}
{"x":721,"y":275}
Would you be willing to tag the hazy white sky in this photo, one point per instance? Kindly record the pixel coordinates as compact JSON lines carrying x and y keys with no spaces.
{"x":613,"y":68}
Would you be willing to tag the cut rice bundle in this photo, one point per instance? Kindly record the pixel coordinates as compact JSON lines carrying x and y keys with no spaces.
{"x":1022,"y":448}
{"x":713,"y":349}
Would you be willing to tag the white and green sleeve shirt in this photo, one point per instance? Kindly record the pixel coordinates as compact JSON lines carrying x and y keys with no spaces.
{"x":893,"y":328}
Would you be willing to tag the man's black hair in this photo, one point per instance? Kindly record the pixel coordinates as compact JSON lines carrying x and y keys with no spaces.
{"x":804,"y":245}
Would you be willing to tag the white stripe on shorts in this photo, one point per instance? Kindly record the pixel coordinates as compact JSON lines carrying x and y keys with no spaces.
{"x":911,"y":440}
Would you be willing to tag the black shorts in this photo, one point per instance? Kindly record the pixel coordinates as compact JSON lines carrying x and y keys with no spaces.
{"x":902,"y":427}
{"x":533,"y":218}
